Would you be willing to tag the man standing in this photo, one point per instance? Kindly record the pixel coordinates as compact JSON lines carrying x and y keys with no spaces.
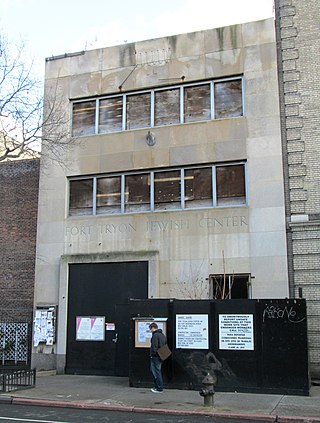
{"x":158,"y":339}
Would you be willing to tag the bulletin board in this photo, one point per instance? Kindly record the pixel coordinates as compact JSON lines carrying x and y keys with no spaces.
{"x":143,"y":333}
{"x":44,"y":325}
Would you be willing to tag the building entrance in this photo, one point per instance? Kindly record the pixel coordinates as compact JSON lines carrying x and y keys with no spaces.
{"x":101,"y":292}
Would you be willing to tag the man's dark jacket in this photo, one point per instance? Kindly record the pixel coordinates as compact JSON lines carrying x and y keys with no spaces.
{"x":158,"y":340}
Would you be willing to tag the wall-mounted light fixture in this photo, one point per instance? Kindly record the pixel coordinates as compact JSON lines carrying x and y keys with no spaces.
{"x":150,"y":138}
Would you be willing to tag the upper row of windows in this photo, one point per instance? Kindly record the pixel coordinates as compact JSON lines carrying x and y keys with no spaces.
{"x":158,"y":107}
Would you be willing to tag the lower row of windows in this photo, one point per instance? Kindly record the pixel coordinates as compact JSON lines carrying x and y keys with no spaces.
{"x":182,"y":188}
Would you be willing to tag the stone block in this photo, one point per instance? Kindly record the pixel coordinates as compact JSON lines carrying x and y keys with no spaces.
{"x":116,"y":162}
{"x":258,"y":32}
{"x":118,"y":57}
{"x":85,"y":85}
{"x":225,"y":38}
{"x":224,"y":63}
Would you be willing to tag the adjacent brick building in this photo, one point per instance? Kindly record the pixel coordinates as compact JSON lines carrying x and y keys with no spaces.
{"x":19,"y":184}
{"x":298,"y":40}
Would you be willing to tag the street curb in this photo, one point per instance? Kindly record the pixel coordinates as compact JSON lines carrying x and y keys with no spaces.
{"x":298,"y":419}
{"x":134,"y":409}
{"x":6,"y":400}
{"x":66,"y":404}
{"x":255,"y":417}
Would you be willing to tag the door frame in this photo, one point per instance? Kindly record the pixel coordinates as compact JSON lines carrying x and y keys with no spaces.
{"x":152,"y":257}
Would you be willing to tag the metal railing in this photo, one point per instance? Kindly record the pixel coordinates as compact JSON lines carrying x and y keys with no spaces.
{"x":13,"y":380}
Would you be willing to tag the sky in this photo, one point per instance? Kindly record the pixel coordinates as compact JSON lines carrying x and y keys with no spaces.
{"x":54,"y":27}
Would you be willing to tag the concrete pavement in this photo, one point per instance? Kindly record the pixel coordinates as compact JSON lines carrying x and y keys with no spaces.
{"x":103,"y":392}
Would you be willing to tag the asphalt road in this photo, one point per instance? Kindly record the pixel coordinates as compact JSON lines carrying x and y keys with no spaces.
{"x":33,"y":414}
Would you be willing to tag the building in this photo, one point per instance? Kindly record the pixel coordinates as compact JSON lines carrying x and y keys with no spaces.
{"x":299,"y":68}
{"x":19,"y":184}
{"x":174,"y":185}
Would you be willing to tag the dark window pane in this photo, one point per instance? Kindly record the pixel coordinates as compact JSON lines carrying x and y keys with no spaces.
{"x":83,"y":118}
{"x":231,"y":185}
{"x":198,"y":187}
{"x":137,"y":193}
{"x":228,"y":99}
{"x":167,"y":107}
{"x":80,"y":197}
{"x":109,"y":195}
{"x":229,"y":286}
{"x":110,"y":115}
{"x":167,"y":190}
{"x":138,"y":111}
{"x":197,"y":103}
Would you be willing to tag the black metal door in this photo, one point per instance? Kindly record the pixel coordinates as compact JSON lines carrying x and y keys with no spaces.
{"x":103,"y":290}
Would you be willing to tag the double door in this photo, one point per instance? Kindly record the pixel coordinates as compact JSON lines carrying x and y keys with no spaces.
{"x":98,"y":293}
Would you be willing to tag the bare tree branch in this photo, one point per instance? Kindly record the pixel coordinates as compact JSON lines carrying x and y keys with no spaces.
{"x":23,"y":127}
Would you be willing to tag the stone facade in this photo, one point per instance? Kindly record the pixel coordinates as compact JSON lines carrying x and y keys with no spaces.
{"x":298,"y":42}
{"x":178,"y":244}
{"x":19,"y":184}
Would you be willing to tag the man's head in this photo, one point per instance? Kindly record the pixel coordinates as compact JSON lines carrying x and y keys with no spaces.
{"x":153,"y":327}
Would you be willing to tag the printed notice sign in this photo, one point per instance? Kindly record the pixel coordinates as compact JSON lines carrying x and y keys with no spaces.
{"x":236,"y":332}
{"x":143,"y":333}
{"x":90,"y":328}
{"x":192,"y":331}
{"x":44,"y":325}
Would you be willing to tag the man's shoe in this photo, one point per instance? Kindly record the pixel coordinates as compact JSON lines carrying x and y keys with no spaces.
{"x":156,"y":391}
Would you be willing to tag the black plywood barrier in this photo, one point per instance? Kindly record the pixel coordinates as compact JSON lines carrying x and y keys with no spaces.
{"x":274,"y":358}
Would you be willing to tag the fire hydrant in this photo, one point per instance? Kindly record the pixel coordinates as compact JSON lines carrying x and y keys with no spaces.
{"x":208,"y":391}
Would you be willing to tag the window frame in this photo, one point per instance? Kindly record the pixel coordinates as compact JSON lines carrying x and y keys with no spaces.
{"x":228,"y":276}
{"x":152,"y":93}
{"x":152,"y":172}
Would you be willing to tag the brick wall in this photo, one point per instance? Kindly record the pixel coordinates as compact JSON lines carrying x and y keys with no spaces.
{"x":298,"y":40}
{"x":19,"y":183}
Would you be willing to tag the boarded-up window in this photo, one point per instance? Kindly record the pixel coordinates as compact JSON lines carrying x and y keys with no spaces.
{"x":167,"y":107}
{"x":110,"y":115}
{"x":83,"y":118}
{"x":198,"y":187}
{"x":228,"y":99}
{"x":109,"y":195}
{"x":138,"y":111}
{"x":197,"y":103}
{"x":137,"y":193}
{"x":231,"y":185}
{"x":80,"y":197}
{"x":167,"y":190}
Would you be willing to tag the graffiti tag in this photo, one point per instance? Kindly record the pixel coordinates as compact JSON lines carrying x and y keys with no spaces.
{"x":273,"y":312}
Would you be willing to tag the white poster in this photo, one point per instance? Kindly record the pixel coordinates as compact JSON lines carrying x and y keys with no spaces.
{"x":144,"y":333}
{"x":90,"y":328}
{"x":236,"y":332}
{"x":192,"y":331}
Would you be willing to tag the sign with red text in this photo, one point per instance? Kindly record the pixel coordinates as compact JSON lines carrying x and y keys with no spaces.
{"x":236,"y":332}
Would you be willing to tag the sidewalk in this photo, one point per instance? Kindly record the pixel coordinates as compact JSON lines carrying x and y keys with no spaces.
{"x":114,"y":393}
